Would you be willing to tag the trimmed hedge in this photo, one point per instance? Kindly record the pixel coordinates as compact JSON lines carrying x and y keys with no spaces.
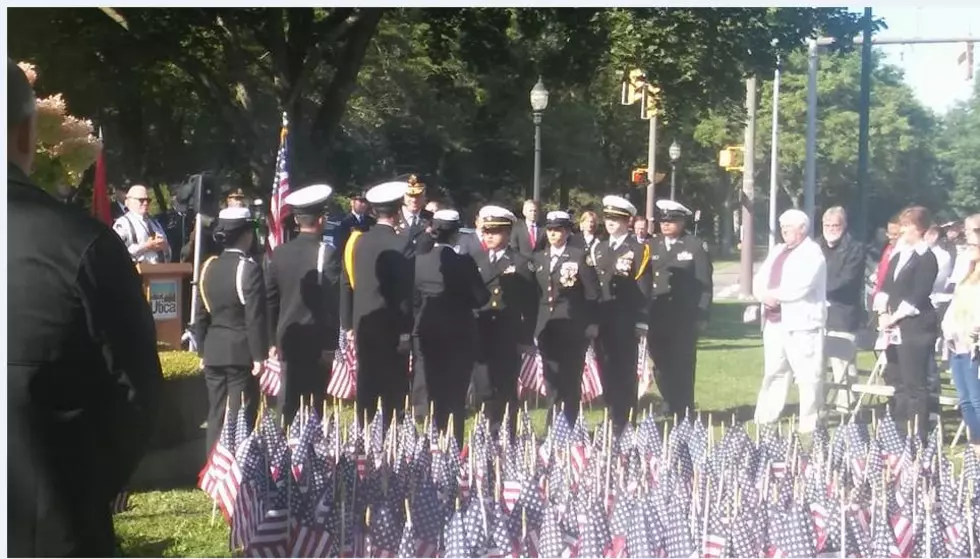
{"x":179,"y":364}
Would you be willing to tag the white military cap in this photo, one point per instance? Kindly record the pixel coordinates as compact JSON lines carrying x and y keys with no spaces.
{"x":671,"y":210}
{"x":234,"y":214}
{"x":309,"y":200}
{"x":495,"y":216}
{"x":618,"y":206}
{"x":446,"y":215}
{"x":387,"y":192}
{"x":558,"y":218}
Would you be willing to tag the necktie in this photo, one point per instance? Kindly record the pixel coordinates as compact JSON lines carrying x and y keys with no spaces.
{"x":533,"y":228}
{"x":493,"y":257}
{"x":554,"y":260}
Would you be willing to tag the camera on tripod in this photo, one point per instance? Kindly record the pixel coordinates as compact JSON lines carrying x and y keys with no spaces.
{"x":202,"y":194}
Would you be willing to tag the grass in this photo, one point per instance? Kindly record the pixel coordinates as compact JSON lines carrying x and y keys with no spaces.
{"x":177,"y":523}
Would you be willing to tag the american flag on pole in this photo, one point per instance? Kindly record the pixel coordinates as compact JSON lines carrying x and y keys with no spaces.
{"x":591,"y":378}
{"x":280,"y":188}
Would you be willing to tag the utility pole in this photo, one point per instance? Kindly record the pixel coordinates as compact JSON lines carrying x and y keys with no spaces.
{"x":810,"y":170}
{"x":651,"y":167}
{"x":860,"y":229}
{"x":774,"y":157}
{"x":748,"y":191}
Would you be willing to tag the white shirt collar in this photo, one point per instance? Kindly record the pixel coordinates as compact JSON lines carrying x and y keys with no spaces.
{"x":557,"y":251}
{"x":919,"y":248}
{"x":615,"y":242}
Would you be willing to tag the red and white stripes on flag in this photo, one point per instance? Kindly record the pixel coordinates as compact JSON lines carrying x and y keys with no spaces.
{"x":644,"y":373}
{"x":591,"y":377}
{"x":343,"y":377}
{"x":532,"y":374}
{"x":270,"y":378}
{"x":280,"y":188}
{"x":121,"y":503}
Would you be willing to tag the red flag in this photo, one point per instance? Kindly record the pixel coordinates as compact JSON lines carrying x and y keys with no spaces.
{"x":100,"y":191}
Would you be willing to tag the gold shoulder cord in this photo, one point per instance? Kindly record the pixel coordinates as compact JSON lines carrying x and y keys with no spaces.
{"x":644,"y":261}
{"x":200,"y":284}
{"x":349,"y":256}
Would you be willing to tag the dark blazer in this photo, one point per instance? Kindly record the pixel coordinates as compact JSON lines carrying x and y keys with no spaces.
{"x":513,"y":300}
{"x":682,"y":277}
{"x":116,"y":209}
{"x":845,"y":283}
{"x":625,"y":296}
{"x":228,"y":332}
{"x":383,"y":276}
{"x":575,"y":304}
{"x":448,"y":288}
{"x":83,"y":376}
{"x":303,"y":304}
{"x":913,"y":285}
{"x":520,"y":238}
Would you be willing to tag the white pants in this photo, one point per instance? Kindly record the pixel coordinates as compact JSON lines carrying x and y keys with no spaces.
{"x":799,"y":353}
{"x":841,"y":351}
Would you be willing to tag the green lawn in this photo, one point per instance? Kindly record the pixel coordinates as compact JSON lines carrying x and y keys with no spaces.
{"x":178,"y":523}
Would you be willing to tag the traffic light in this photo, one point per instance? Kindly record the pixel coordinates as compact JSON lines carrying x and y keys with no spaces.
{"x":634,"y":82}
{"x":651,"y":97}
{"x":731,"y":158}
{"x":639,"y":175}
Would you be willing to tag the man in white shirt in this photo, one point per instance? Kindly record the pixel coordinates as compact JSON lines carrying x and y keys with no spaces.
{"x":792,"y":285}
{"x":143,"y":236}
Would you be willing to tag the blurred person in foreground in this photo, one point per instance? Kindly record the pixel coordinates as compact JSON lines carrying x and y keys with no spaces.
{"x":792,"y":285}
{"x":82,"y":365}
{"x":961,"y":328}
{"x":845,"y":285}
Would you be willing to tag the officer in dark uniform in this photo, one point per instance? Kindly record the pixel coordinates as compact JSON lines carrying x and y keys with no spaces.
{"x":682,"y":293}
{"x":231,"y":327}
{"x":448,"y":288}
{"x":376,"y":303}
{"x":567,"y":315}
{"x":506,"y":324}
{"x":413,"y":218}
{"x":622,"y":263}
{"x":302,"y":283}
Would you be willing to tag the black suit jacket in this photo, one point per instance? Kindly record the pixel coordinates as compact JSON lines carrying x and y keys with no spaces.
{"x":625,"y":278}
{"x":913,"y":285}
{"x":682,"y":277}
{"x":448,"y":288}
{"x":303,"y":305}
{"x":228,"y":332}
{"x":83,"y":376}
{"x":575,"y":303}
{"x":381,"y":290}
{"x":513,"y":293}
{"x":845,"y":283}
{"x":348,"y":224}
{"x":116,"y":209}
{"x":520,"y":238}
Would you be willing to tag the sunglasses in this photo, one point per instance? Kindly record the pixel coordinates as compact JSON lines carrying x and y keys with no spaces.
{"x":141,"y":200}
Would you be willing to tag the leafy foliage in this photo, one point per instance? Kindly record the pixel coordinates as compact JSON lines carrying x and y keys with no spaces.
{"x":959,"y":148}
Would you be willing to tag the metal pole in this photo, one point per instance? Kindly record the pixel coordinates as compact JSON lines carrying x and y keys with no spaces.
{"x":810,"y":172}
{"x":859,"y":231}
{"x":748,"y":190}
{"x":652,"y":166}
{"x":537,"y":156}
{"x":673,"y":177}
{"x":774,"y":157}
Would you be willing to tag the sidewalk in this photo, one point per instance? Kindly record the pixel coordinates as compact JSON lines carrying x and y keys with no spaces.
{"x":725,"y":279}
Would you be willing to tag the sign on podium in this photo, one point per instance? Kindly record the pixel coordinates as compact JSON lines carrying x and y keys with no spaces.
{"x":163,"y":285}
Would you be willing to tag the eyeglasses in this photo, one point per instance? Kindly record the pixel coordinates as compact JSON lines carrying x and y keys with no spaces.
{"x":140,"y":200}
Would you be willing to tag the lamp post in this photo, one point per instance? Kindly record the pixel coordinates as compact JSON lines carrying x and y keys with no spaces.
{"x":675,"y":154}
{"x":539,"y":102}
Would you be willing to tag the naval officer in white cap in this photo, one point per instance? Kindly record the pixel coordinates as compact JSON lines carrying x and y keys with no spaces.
{"x":376,"y":303}
{"x":623,"y":266}
{"x":302,"y":281}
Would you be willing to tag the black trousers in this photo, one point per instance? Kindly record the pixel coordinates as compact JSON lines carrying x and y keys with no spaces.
{"x":419,"y":388}
{"x":616,"y":349}
{"x":382,"y":373}
{"x":302,"y":377}
{"x":497,"y":370}
{"x":227,"y":387}
{"x":448,"y":368}
{"x":673,"y":345}
{"x":563,"y":344}
{"x":907,"y":370}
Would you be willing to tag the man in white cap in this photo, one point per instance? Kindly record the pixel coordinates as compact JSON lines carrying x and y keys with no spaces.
{"x":792,"y":285}
{"x":230,"y":327}
{"x":448,"y":289}
{"x":302,"y":282}
{"x":682,"y":294}
{"x":623,"y":266}
{"x":567,"y":315}
{"x":376,"y":303}
{"x":506,"y":323}
{"x":143,"y":236}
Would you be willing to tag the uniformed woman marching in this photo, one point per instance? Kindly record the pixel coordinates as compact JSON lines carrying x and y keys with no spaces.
{"x":231,"y":324}
{"x":448,"y":288}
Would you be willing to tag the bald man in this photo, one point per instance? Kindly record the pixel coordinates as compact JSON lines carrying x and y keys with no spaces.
{"x":82,"y":368}
{"x":144,"y":237}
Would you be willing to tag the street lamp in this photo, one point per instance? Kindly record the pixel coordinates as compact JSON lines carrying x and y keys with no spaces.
{"x":539,"y":102}
{"x":675,"y":155}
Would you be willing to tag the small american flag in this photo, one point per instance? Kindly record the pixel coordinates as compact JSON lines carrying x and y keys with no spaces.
{"x":591,"y":380}
{"x":532,"y":374}
{"x":343,"y":378}
{"x":280,"y":188}
{"x":121,"y":503}
{"x":270,"y":379}
{"x":643,"y":373}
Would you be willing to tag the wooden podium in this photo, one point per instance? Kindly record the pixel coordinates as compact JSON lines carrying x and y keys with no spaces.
{"x":163,"y":285}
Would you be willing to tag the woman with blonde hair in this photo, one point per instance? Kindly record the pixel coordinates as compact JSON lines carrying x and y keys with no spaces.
{"x":961,"y":327}
{"x":588,"y":235}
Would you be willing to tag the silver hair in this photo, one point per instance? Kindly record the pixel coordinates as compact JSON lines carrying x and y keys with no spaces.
{"x":795,"y":217}
{"x":836,"y":211}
